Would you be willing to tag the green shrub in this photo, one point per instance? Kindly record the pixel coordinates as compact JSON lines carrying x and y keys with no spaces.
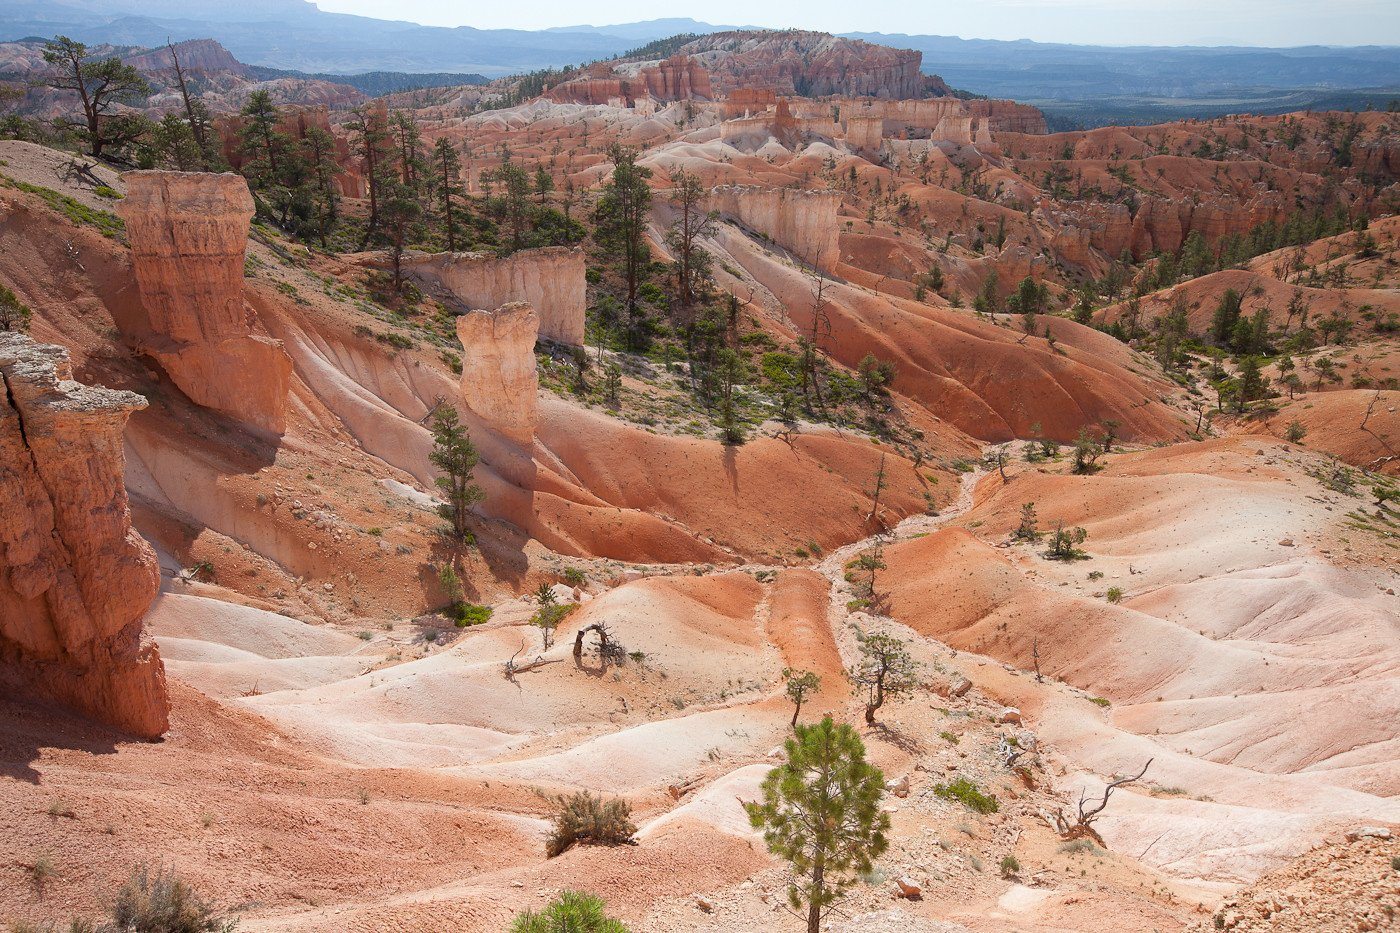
{"x":1115,"y":594}
{"x":1009,"y":866}
{"x":163,"y":903}
{"x":470,"y":614}
{"x":969,"y":795}
{"x":590,"y":820}
{"x":570,"y":912}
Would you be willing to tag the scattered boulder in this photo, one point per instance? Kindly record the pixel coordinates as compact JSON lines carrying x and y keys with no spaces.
{"x":1368,"y":832}
{"x":907,"y":888}
{"x":1010,"y":715}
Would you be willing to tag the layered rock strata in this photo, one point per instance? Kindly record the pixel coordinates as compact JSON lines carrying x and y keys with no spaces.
{"x":802,"y":222}
{"x":550,"y":279}
{"x":188,"y":233}
{"x":75,"y":578}
{"x":499,"y":380}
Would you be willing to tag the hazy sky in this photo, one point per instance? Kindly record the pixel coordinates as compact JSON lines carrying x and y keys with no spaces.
{"x":1110,"y":22}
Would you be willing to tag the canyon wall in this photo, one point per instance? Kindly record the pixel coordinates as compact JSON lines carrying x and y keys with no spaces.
{"x":499,"y":381}
{"x":811,"y":64}
{"x":551,"y":279}
{"x":803,"y":222}
{"x":188,"y":233}
{"x":1158,"y":224}
{"x":75,"y":578}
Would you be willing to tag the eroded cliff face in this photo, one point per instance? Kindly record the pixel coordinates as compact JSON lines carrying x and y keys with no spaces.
{"x":75,"y":578}
{"x":188,"y":233}
{"x":499,"y":380}
{"x":812,"y":64}
{"x":550,"y":279}
{"x":802,"y":222}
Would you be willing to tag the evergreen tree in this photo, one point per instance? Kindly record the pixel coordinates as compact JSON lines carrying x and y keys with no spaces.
{"x":100,"y":84}
{"x":821,"y":812}
{"x":454,"y":454}
{"x":318,"y":151}
{"x":447,"y":184}
{"x":621,"y":217}
{"x":692,"y":223}
{"x":370,"y":135}
{"x":1250,"y":383}
{"x":1227,"y":314}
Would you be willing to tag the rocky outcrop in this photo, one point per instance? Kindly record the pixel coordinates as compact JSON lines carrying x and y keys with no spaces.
{"x":812,"y":64}
{"x":1159,"y":225}
{"x":551,"y":279}
{"x":196,"y":56}
{"x":864,"y":134}
{"x":188,"y":233}
{"x":802,"y":222}
{"x":679,"y":77}
{"x":75,"y":579}
{"x":499,"y":381}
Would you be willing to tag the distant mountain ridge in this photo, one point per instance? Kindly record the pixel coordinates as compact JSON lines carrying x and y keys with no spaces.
{"x":1073,"y":84}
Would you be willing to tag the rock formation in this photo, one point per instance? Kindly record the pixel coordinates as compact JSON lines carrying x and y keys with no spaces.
{"x":812,"y":64}
{"x":499,"y":381}
{"x":188,"y":233}
{"x":551,"y":279}
{"x":802,"y":222}
{"x":75,"y":579}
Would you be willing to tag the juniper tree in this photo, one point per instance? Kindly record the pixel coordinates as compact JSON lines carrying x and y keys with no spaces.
{"x":821,"y":812}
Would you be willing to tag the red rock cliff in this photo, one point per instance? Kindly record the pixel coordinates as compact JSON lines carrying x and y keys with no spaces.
{"x":811,"y":64}
{"x":188,"y":232}
{"x":75,"y":579}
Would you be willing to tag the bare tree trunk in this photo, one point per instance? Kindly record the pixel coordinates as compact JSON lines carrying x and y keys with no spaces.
{"x":814,"y":908}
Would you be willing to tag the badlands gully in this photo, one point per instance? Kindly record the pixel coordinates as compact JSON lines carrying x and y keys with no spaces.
{"x":224,"y":640}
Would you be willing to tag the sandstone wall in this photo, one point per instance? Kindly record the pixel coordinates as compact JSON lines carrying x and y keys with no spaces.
{"x":803,"y":222}
{"x":499,"y":381}
{"x":188,"y":233}
{"x":551,"y":279}
{"x":75,"y":579}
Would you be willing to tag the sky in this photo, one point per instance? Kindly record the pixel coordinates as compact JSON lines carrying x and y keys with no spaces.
{"x":1095,"y":22}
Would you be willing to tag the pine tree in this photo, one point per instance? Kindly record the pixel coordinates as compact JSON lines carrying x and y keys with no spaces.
{"x":693,"y":223}
{"x":621,"y":216}
{"x":821,"y":812}
{"x":447,"y":184}
{"x":454,"y":454}
{"x":100,"y":84}
{"x":1227,"y":314}
{"x":371,"y":137}
{"x":318,"y":150}
{"x":885,"y":670}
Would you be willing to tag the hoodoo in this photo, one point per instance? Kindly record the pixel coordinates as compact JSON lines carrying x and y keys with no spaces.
{"x":188,"y":234}
{"x":75,"y":578}
{"x":499,"y":380}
